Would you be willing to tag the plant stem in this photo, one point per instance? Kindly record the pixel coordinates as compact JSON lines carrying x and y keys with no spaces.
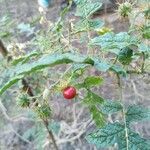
{"x":123,"y":111}
{"x":143,"y":62}
{"x":28,"y":89}
{"x":30,"y":93}
{"x":3,"y":50}
{"x":51,"y":136}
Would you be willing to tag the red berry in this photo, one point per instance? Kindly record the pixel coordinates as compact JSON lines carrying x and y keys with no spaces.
{"x":69,"y":92}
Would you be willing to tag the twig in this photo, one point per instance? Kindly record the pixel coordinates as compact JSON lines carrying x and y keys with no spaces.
{"x":51,"y":136}
{"x":123,"y":111}
{"x":30,"y":93}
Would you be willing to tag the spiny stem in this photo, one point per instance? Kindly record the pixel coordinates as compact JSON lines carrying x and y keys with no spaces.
{"x":51,"y":136}
{"x":123,"y":111}
{"x":30,"y":93}
{"x":28,"y":89}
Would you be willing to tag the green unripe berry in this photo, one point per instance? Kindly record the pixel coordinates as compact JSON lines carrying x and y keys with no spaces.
{"x":124,"y":9}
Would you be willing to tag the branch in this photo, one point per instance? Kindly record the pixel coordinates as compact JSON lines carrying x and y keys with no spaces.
{"x":3,"y":50}
{"x":51,"y":136}
{"x":29,"y":91}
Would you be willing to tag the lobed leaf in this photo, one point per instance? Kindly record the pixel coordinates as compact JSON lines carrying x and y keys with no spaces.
{"x":93,"y":81}
{"x":135,"y":142}
{"x":115,"y":133}
{"x":110,"y":107}
{"x":92,"y":99}
{"x":105,"y":136}
{"x":136,"y":113}
{"x":97,"y":116}
{"x":111,"y":41}
{"x":86,"y":8}
{"x":88,"y":24}
{"x":47,"y":61}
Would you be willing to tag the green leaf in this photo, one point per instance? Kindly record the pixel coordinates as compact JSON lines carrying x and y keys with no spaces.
{"x":101,"y":65}
{"x":111,"y":41}
{"x":40,"y":64}
{"x":78,"y":70}
{"x":80,"y":2}
{"x":116,"y":133}
{"x":50,"y":60}
{"x":5,"y":34}
{"x":10,"y":83}
{"x":144,"y":48}
{"x":87,"y":8}
{"x":105,"y":136}
{"x":119,"y":70}
{"x":146,"y":32}
{"x":137,"y":113}
{"x":85,"y":25}
{"x":92,"y":99}
{"x":97,"y":116}
{"x":135,"y":142}
{"x":93,"y":81}
{"x":125,"y":56}
{"x":95,"y":24}
{"x":25,"y":59}
{"x":110,"y":107}
{"x":90,"y":82}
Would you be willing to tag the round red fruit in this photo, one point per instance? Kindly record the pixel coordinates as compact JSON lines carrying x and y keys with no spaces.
{"x":69,"y":92}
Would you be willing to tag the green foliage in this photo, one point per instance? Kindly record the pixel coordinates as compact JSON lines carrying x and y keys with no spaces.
{"x":44,"y":111}
{"x":38,"y":134}
{"x":92,"y":101}
{"x":110,"y":107}
{"x":125,"y":9}
{"x":101,"y":65}
{"x":6,"y":24}
{"x":97,"y":116}
{"x":23,"y":100}
{"x":118,"y":70}
{"x":114,"y":42}
{"x":10,"y":83}
{"x":144,"y":48}
{"x":90,"y":82}
{"x":146,"y":31}
{"x":115,"y":133}
{"x":105,"y":136}
{"x":137,"y":113}
{"x":49,"y":61}
{"x":55,"y":47}
{"x":88,"y":24}
{"x":25,"y":58}
{"x":86,"y":8}
{"x":121,"y":133}
{"x":147,"y":13}
{"x":125,"y":56}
